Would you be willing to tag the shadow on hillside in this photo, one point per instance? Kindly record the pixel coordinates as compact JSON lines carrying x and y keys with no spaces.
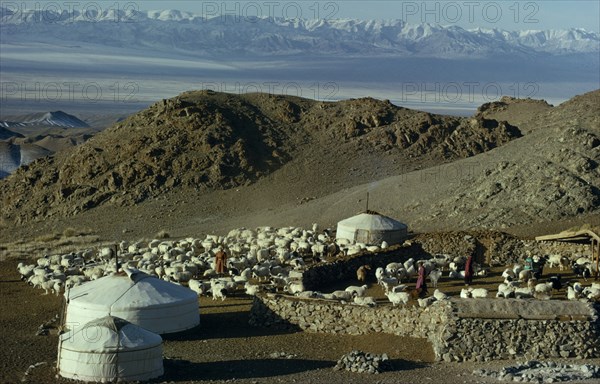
{"x":228,"y":325}
{"x":183,"y":370}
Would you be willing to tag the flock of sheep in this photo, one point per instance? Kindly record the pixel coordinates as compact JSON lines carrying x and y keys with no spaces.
{"x":274,"y":259}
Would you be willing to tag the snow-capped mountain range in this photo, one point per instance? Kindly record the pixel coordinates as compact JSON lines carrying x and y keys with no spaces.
{"x":181,"y":32}
{"x":54,"y":119}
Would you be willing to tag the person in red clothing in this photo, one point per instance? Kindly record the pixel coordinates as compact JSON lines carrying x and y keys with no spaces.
{"x":220,"y":261}
{"x":469,"y":271}
{"x":421,"y":286}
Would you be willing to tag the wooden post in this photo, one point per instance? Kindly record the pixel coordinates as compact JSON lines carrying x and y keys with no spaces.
{"x":116,"y":258}
{"x":596,"y":252}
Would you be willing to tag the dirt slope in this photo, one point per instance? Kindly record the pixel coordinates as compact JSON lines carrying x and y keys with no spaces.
{"x":207,"y":141}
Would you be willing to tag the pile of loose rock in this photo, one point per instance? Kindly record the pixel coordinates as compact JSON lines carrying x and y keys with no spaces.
{"x":543,"y":372}
{"x":361,"y":362}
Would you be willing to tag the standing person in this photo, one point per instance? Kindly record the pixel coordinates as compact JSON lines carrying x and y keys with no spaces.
{"x":421,"y":286}
{"x":220,"y":261}
{"x":469,"y":271}
{"x":528,"y":262}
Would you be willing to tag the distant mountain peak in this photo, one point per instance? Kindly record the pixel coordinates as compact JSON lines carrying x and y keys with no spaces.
{"x":55,"y":119}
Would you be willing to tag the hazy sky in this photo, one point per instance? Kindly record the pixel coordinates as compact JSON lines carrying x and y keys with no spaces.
{"x":510,"y":14}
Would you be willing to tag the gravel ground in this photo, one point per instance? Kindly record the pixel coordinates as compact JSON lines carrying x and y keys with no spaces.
{"x":224,"y":348}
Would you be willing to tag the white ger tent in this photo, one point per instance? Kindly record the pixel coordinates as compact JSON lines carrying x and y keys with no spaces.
{"x":108,"y":350}
{"x":144,"y":300}
{"x":371,"y":228}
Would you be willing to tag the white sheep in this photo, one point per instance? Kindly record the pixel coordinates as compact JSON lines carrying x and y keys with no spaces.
{"x":365,"y":301}
{"x":388,"y":282}
{"x":426,"y":302}
{"x":397,"y":298}
{"x":508,"y":274}
{"x":439,"y":295}
{"x":342,"y":295}
{"x":481,"y":293}
{"x":591,"y":293}
{"x":524,"y":275}
{"x":357,"y":291}
{"x":295,"y":287}
{"x":197,"y":286}
{"x":557,"y":260}
{"x":543,"y":287}
{"x":218,"y":289}
{"x":392,"y":268}
{"x":252,"y":289}
{"x":572,"y":294}
{"x":524,"y":293}
{"x":434,"y":276}
{"x":505,"y":291}
{"x":25,"y":270}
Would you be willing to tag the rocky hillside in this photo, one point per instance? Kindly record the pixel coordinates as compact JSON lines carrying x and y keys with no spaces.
{"x":213,"y":141}
{"x":551,"y":174}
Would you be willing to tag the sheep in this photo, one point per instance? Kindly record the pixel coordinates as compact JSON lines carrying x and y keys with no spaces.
{"x":543,"y":288}
{"x":434,"y":276}
{"x":260,"y":272}
{"x":25,"y":270}
{"x":365,"y":301}
{"x":361,"y":273}
{"x":380,"y":273}
{"x":506,"y":290}
{"x":197,"y":286}
{"x":218,"y":290}
{"x":572,"y":294}
{"x":181,"y":276}
{"x":441,"y":261}
{"x":524,"y":275}
{"x":252,"y":289}
{"x":478,"y":293}
{"x":399,"y":288}
{"x":465,"y":293}
{"x":295,"y":287}
{"x":558,"y":261}
{"x":392,"y":268}
{"x":426,"y":302}
{"x":456,"y":274}
{"x":542,"y":295}
{"x":387,"y":282}
{"x":439,"y":295}
{"x":310,"y":295}
{"x":582,"y":270}
{"x":397,"y":298}
{"x":508,"y":274}
{"x":516,"y":269}
{"x":524,"y":293}
{"x":342,"y":295}
{"x":591,"y":293}
{"x":357,"y":291}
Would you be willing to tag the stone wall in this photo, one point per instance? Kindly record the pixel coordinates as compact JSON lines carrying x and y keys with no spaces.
{"x":459,"y":330}
{"x":344,"y":268}
{"x":494,"y":248}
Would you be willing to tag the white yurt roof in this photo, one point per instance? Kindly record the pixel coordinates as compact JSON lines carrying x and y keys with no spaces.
{"x":372,"y":221}
{"x":109,"y":349}
{"x":157,"y":305}
{"x":371,"y":228}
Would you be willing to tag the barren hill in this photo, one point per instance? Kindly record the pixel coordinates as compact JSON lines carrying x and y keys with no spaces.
{"x":207,"y":141}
